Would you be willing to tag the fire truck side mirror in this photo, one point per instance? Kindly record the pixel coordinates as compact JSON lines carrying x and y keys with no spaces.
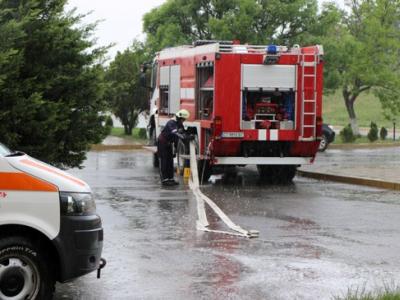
{"x":143,"y":76}
{"x":143,"y":80}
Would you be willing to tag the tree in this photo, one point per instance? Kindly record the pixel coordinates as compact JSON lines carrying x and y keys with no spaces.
{"x":11,"y":32}
{"x":179,"y":22}
{"x":363,"y":54}
{"x":126,"y":96}
{"x":51,"y":82}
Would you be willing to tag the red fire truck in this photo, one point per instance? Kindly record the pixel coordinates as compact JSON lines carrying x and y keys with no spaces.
{"x":249,"y":104}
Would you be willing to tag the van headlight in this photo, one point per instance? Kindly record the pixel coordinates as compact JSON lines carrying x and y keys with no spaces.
{"x":77,"y":204}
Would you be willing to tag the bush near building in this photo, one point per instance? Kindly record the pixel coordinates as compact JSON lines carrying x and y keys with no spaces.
{"x":347,"y":135}
{"x":383,"y":133}
{"x":373,"y":132}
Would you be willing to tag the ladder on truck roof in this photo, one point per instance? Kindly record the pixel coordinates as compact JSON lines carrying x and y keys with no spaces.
{"x":309,"y":97}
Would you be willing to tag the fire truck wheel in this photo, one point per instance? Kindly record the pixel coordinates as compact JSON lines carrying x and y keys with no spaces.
{"x":283,"y":174}
{"x":277,"y":174}
{"x":25,"y":270}
{"x":265,"y":172}
{"x":287,"y":174}
{"x":205,"y":170}
{"x":153,"y":142}
{"x":156,"y":161}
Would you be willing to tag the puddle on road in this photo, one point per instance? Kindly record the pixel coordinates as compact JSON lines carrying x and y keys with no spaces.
{"x":316,"y":239}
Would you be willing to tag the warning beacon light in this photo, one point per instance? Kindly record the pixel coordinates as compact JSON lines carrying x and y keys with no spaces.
{"x":272,"y":49}
{"x":272,"y":55}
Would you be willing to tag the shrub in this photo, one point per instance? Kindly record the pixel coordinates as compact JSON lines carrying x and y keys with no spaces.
{"x":383,"y":133}
{"x":142,"y":133}
{"x":347,"y":134}
{"x":373,"y":132}
{"x":109,"y":124}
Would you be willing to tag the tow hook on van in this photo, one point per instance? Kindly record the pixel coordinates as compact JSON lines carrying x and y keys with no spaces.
{"x":102,"y":264}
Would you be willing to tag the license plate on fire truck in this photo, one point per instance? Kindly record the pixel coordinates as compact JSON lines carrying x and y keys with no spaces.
{"x":230,"y":135}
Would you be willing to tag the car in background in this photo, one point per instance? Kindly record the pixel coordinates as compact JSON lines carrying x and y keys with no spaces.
{"x":328,"y":136}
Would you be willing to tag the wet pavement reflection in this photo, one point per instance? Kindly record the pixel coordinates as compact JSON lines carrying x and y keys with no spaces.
{"x":317,"y":239}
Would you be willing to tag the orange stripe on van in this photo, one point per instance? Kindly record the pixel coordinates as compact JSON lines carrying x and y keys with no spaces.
{"x":24,"y":182}
{"x":46,"y":168}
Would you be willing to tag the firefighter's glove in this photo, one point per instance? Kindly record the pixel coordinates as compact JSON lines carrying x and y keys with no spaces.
{"x":181,"y":136}
{"x":190,"y":137}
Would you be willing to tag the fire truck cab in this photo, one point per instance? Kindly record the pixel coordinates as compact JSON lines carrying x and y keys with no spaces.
{"x":249,"y":104}
{"x":49,"y":229}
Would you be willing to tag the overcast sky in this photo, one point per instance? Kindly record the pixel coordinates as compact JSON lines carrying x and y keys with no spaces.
{"x":122,"y":19}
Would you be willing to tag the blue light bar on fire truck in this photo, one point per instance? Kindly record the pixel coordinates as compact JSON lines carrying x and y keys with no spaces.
{"x":272,"y":55}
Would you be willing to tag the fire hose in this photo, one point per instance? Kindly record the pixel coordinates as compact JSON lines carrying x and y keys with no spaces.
{"x":202,"y":222}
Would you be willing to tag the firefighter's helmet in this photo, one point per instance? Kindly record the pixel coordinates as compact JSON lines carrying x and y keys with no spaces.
{"x":183,"y":113}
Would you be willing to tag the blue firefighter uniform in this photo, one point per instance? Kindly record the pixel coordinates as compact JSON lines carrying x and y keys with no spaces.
{"x":169,"y":137}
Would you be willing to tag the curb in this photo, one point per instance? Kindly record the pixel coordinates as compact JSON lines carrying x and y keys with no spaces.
{"x":351,"y":180}
{"x":115,"y":147}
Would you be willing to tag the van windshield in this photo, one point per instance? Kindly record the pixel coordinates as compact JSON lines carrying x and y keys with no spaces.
{"x":4,"y":151}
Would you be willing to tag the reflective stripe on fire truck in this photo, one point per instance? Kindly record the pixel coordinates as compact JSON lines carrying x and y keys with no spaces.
{"x":273,"y":134}
{"x":262,"y":135}
{"x":270,"y":135}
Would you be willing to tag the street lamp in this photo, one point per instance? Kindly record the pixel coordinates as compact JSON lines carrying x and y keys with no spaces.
{"x":394,"y":129}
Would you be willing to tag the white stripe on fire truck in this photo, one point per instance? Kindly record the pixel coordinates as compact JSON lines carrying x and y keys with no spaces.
{"x":262,"y":135}
{"x":273,"y":134}
{"x":187,"y":93}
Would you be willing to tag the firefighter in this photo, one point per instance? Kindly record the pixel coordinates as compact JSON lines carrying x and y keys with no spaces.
{"x":168,"y":138}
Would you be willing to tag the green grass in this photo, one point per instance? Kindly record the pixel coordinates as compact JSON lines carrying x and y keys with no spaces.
{"x":386,"y":293}
{"x":119,"y":132}
{"x":370,"y":296}
{"x":368,"y":108}
{"x":365,"y":140}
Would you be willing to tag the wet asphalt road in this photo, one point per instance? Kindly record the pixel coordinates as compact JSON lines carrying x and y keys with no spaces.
{"x":317,"y":239}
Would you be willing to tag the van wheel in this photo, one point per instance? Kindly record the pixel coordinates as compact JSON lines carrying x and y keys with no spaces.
{"x":25,"y":270}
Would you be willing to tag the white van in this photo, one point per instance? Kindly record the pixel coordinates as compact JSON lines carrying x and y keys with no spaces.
{"x":49,"y":229}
